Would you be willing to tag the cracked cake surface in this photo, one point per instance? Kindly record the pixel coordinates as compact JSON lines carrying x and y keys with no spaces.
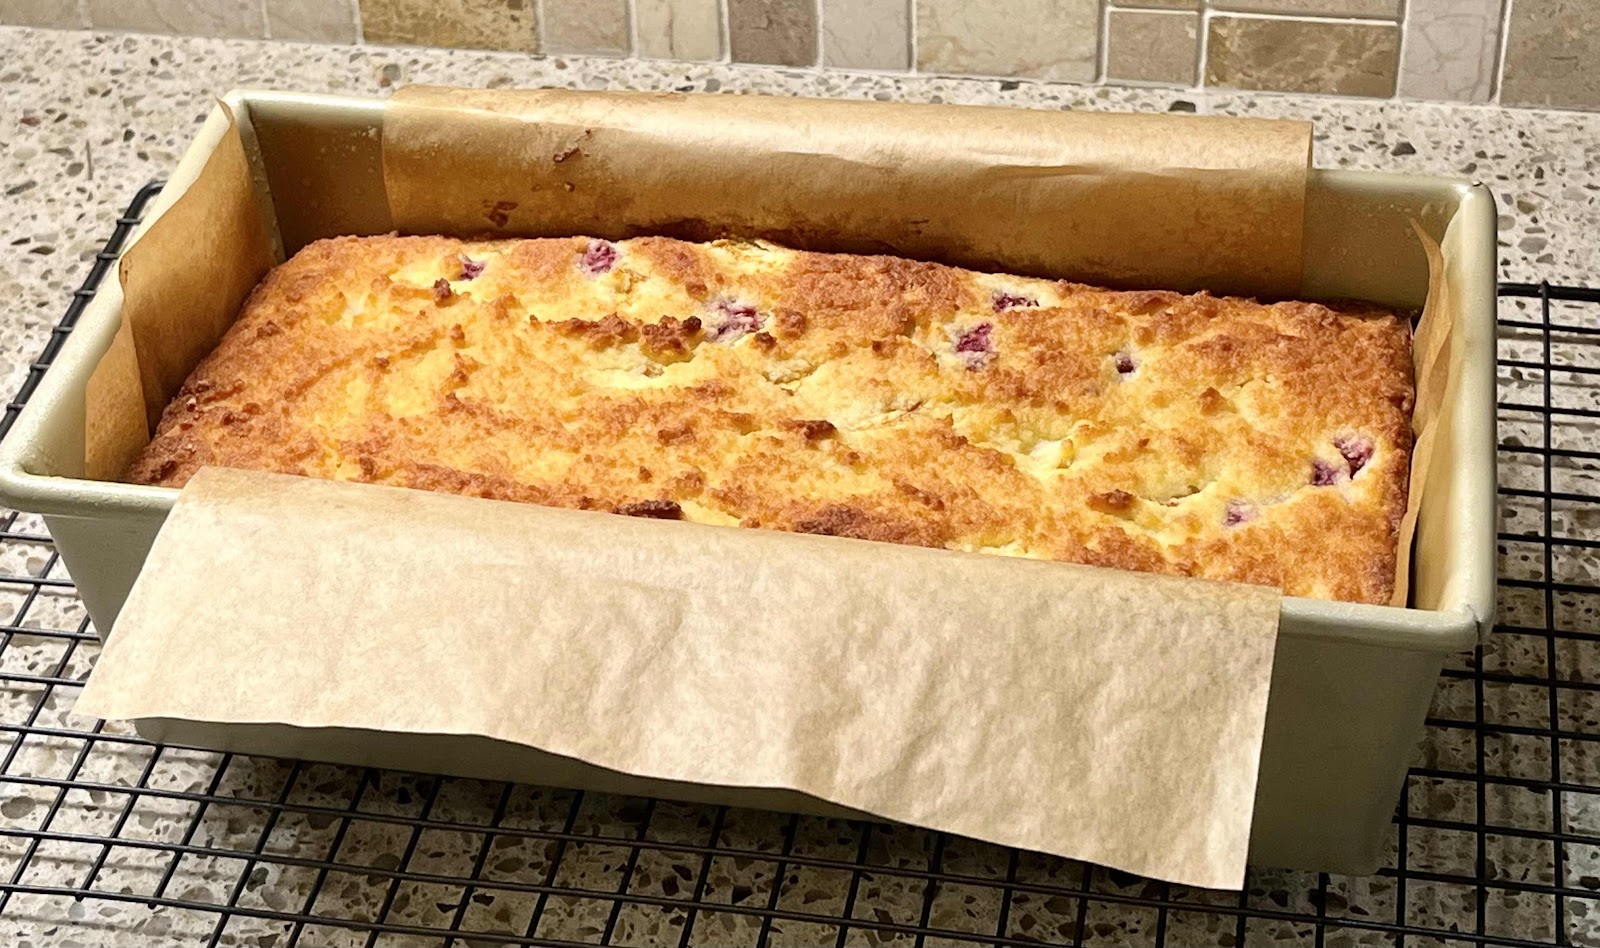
{"x":742,"y":383}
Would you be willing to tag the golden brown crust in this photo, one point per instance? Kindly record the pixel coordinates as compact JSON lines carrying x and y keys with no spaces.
{"x":871,"y":397}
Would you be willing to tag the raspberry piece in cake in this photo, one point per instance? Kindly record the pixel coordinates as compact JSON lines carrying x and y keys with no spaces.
{"x":1239,"y":511}
{"x":599,"y":257}
{"x":1004,"y":301}
{"x":975,"y":346}
{"x":471,"y":269}
{"x":1324,"y":474}
{"x":732,"y":321}
{"x":1357,"y":451}
{"x":1124,"y":363}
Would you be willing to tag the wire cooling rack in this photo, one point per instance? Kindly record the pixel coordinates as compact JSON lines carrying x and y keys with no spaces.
{"x":105,"y":839}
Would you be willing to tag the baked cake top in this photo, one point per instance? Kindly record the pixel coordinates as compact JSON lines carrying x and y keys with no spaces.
{"x":873,"y":397}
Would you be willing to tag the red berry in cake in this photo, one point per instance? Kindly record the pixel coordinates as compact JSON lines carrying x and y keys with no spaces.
{"x":975,"y":346}
{"x":1357,"y":451}
{"x":732,"y":321}
{"x":1004,"y":301}
{"x":599,"y":258}
{"x":1324,"y":474}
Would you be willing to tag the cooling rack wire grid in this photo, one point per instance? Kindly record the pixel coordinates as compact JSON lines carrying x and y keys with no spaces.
{"x":108,"y":840}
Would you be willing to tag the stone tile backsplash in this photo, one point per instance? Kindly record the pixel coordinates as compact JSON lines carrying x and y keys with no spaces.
{"x":463,"y":24}
{"x":1553,"y":54}
{"x":328,"y":21}
{"x":689,"y":30}
{"x":217,"y":18}
{"x":1036,"y":39}
{"x":1268,"y":53}
{"x":1452,"y":49}
{"x":776,"y":32}
{"x":866,"y":34}
{"x":1153,"y":46}
{"x":586,"y":28}
{"x":1541,"y":53}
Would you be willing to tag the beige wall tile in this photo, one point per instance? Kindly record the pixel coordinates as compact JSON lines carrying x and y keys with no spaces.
{"x":1383,"y":8}
{"x":678,"y":29}
{"x":465,"y":24}
{"x":779,"y":32}
{"x":1303,"y":56}
{"x":1047,"y":39}
{"x":318,"y":21}
{"x":61,"y":13}
{"x":587,"y":26}
{"x":237,"y":18}
{"x":1147,"y":46}
{"x":1450,"y":51}
{"x":1160,"y":4}
{"x":1553,"y":54}
{"x":866,"y":34}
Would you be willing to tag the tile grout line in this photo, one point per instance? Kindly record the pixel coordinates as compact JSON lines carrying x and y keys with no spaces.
{"x":630,"y":9}
{"x":1306,"y":18}
{"x":911,"y":36}
{"x":1308,"y":15}
{"x":816,"y":53}
{"x":1203,"y":59}
{"x":356,"y":21}
{"x":725,"y":13}
{"x":1400,"y":49}
{"x":1497,"y":74}
{"x":539,"y":40}
{"x":266,"y":21}
{"x":1103,"y":47}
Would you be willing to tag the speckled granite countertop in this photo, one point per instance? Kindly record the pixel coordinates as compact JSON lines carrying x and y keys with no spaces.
{"x":86,"y":119}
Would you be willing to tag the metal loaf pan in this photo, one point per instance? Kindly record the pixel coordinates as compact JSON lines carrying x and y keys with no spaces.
{"x":1351,"y":684}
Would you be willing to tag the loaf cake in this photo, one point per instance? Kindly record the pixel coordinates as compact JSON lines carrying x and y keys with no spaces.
{"x":743,"y":383}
